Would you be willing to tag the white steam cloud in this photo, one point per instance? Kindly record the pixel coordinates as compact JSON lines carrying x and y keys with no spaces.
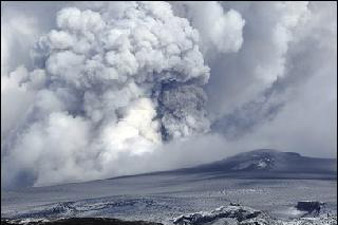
{"x":221,"y":31}
{"x":107,"y":84}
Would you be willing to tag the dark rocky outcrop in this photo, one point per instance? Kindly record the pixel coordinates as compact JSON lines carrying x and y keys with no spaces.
{"x":311,"y":207}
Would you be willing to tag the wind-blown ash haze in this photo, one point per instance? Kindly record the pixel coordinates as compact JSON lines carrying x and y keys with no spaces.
{"x":91,"y":90}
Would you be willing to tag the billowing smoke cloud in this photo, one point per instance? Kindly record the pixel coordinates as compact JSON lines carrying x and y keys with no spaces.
{"x":107,"y":84}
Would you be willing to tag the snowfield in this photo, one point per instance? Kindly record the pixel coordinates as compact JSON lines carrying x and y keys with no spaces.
{"x":162,"y":199}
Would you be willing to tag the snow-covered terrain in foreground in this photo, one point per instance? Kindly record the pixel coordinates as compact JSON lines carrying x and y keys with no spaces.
{"x":233,"y":214}
{"x":164,"y":197}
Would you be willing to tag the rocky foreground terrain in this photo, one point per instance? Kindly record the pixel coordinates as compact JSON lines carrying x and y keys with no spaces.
{"x":232,"y":214}
{"x":241,"y":215}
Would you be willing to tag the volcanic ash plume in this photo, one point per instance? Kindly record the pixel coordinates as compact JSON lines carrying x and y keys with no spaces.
{"x":107,"y":83}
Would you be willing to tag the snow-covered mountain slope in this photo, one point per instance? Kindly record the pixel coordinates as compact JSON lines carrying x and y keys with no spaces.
{"x":270,"y":163}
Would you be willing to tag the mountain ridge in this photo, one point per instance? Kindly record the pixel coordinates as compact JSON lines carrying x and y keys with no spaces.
{"x":261,"y":163}
{"x":269,"y":161}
